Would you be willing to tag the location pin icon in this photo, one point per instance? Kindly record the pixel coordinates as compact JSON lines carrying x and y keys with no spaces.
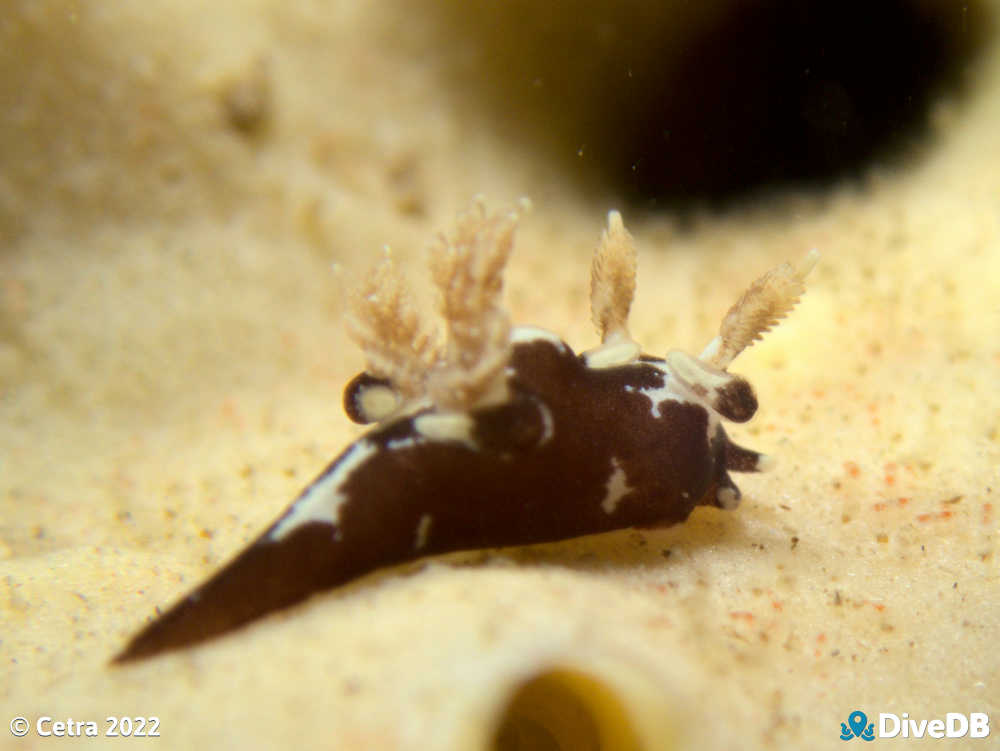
{"x":857,"y":721}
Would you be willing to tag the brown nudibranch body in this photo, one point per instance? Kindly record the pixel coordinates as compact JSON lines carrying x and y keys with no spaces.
{"x":501,"y":436}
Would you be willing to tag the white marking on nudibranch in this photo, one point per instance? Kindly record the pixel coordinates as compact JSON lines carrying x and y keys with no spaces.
{"x":667,"y":392}
{"x":618,"y":350}
{"x":712,"y":350}
{"x":528,"y":334}
{"x":447,"y":427}
{"x":548,"y":424}
{"x":766,"y":462}
{"x":403,"y":443}
{"x":727,"y":498}
{"x":616,"y":488}
{"x":694,"y":373}
{"x":321,"y":501}
{"x":423,"y":531}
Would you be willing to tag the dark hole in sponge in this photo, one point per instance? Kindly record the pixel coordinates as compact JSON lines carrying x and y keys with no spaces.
{"x":675,"y":103}
{"x":790,"y":92}
{"x":564,"y":709}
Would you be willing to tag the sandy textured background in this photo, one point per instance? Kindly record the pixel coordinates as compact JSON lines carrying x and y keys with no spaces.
{"x":177,"y":180}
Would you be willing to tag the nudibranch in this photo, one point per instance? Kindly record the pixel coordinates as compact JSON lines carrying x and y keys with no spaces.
{"x":497,"y":435}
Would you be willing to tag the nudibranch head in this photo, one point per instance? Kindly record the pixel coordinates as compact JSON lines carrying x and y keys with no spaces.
{"x":497,"y":435}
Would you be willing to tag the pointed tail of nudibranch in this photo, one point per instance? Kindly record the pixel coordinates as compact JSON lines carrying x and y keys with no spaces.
{"x":264,"y":578}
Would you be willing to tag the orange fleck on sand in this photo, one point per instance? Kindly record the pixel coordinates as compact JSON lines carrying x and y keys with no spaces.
{"x":852,"y":469}
{"x":741,"y":615}
{"x":777,"y":605}
{"x":821,"y":639}
{"x":987,"y":512}
{"x":934,"y":516}
{"x":883,"y":505}
{"x":858,"y":604}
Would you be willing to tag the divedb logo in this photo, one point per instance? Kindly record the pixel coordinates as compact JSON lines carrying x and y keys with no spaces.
{"x":954,"y":725}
